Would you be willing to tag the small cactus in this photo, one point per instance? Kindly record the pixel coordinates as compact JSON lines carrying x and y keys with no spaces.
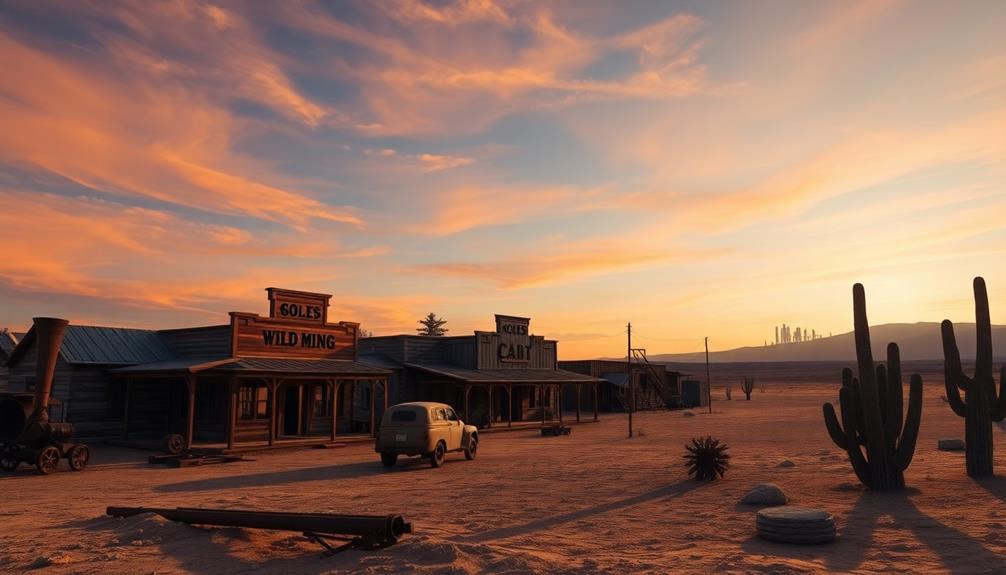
{"x":981,"y":404}
{"x":872,"y":417}
{"x":706,"y":458}
{"x":748,"y":386}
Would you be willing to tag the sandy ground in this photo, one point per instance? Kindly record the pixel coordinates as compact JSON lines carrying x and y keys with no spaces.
{"x":591,"y":502}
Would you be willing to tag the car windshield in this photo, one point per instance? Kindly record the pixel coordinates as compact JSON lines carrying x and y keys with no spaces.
{"x":451,"y":416}
{"x":403,"y":415}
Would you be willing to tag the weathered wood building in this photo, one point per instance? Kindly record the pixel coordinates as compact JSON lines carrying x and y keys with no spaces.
{"x":7,"y":344}
{"x":491,"y":378}
{"x":290,"y":376}
{"x":656,"y":387}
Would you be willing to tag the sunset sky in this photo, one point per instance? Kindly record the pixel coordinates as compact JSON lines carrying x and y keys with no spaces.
{"x":697,"y":168}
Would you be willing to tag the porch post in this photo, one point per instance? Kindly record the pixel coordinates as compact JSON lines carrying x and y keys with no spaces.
{"x":490,"y":386}
{"x":579,"y":389}
{"x":468,"y":389}
{"x":335,"y":406}
{"x":232,"y":410}
{"x":558,"y":400}
{"x":190,"y":415}
{"x":594,"y":385}
{"x":127,"y":406}
{"x":541,"y":400}
{"x":373,"y":393}
{"x":509,"y":405}
{"x":273,"y":386}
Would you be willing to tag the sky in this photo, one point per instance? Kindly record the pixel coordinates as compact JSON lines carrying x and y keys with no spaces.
{"x":696,"y":168}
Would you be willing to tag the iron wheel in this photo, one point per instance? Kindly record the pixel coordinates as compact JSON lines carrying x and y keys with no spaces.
{"x":47,"y":460}
{"x":79,"y":457}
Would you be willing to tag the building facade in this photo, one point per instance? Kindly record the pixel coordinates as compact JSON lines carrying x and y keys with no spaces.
{"x":491,"y":377}
{"x":288,"y":376}
{"x":656,"y":387}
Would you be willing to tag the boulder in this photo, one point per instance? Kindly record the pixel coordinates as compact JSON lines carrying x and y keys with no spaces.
{"x":688,"y":413}
{"x":786,"y":463}
{"x":795,"y":525}
{"x":765,"y":494}
{"x":950,"y":444}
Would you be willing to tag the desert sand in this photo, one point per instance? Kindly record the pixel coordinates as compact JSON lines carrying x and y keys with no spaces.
{"x":595,"y":501}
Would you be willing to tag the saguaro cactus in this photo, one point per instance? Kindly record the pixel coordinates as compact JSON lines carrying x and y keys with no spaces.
{"x":981,"y":404}
{"x":872,"y":418}
{"x":748,"y":386}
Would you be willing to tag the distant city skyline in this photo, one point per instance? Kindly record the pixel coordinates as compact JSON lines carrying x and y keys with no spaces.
{"x":698,"y":169}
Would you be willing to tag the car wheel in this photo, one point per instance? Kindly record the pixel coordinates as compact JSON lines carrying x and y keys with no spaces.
{"x":389,"y":459}
{"x":473,"y":446}
{"x":439,"y":453}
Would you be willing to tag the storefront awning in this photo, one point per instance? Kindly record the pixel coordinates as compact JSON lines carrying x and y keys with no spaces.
{"x":327,"y":368}
{"x":504,"y":376}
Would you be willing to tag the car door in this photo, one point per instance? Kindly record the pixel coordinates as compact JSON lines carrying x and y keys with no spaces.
{"x":455,"y":429}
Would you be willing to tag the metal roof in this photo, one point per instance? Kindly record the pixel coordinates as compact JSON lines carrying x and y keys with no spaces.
{"x":183,"y":365}
{"x":84,"y":344}
{"x":520,"y":376}
{"x":90,"y":345}
{"x":321,"y":367}
{"x":7,"y":343}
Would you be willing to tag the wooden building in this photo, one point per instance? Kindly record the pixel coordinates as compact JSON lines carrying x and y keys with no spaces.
{"x":290,"y":376}
{"x":656,"y":387}
{"x":7,"y":344}
{"x":491,"y":378}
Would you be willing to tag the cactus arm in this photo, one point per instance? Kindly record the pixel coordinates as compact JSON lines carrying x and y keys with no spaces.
{"x":952,"y":357}
{"x":999,"y":411}
{"x":840,"y":438}
{"x":983,"y":329}
{"x":895,"y":389}
{"x":953,"y":393}
{"x":906,"y":449}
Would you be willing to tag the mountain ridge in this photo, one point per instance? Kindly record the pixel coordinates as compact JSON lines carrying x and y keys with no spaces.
{"x":916,"y":341}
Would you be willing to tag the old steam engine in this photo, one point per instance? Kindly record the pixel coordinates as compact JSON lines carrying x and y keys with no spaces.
{"x":26,"y":434}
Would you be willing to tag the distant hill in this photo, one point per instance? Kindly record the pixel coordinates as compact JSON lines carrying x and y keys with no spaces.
{"x":918,"y":341}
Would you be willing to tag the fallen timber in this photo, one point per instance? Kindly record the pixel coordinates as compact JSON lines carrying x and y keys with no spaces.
{"x":354,"y":531}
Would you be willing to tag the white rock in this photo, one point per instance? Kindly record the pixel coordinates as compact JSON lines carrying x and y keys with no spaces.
{"x":765,"y":494}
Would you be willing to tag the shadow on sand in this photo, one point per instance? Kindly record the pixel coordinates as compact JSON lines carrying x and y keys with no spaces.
{"x":202,"y":550}
{"x":958,"y":552}
{"x":328,"y":472}
{"x":668,"y":491}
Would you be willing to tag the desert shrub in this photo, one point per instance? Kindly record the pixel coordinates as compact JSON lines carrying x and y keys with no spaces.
{"x":706,"y":458}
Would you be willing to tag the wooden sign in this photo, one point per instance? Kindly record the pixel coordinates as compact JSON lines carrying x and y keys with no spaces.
{"x":255,"y":336}
{"x":299,"y":306}
{"x":515,"y":339}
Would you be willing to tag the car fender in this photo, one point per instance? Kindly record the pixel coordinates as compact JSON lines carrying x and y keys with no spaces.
{"x":466,"y":436}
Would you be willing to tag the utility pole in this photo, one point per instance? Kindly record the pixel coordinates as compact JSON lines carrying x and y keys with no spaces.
{"x":628,"y":374}
{"x":709,"y":382}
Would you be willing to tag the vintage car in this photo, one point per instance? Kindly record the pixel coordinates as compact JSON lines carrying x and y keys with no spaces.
{"x":424,"y":428}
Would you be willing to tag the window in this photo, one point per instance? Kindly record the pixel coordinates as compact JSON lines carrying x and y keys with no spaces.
{"x":253,"y":402}
{"x":439,"y":414}
{"x":404,"y":415}
{"x":451,"y":416}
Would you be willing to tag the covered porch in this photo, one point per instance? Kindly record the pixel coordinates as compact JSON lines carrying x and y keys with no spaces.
{"x":251,"y":402}
{"x":497,"y":397}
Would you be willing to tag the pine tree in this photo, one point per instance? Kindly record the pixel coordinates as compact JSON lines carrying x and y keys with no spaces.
{"x":432,"y":325}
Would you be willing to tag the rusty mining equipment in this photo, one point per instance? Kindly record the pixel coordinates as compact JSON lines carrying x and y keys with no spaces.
{"x":352,"y":531}
{"x":26,"y":433}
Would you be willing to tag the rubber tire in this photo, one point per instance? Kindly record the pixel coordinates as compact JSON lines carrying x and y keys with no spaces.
{"x":78,"y":457}
{"x":472,"y":449}
{"x":438,"y":455}
{"x":47,"y":460}
{"x":389,"y":459}
{"x":8,"y":462}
